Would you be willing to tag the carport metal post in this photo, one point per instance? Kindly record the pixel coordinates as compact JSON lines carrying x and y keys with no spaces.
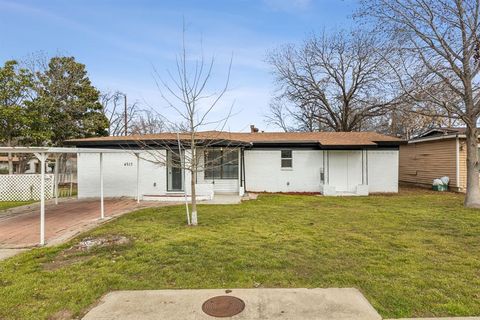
{"x":55,"y":177}
{"x":42,"y":157}
{"x":138,"y":177}
{"x":102,"y":208}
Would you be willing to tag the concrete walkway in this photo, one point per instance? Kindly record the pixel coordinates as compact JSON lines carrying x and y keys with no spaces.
{"x":265,"y":304}
{"x":223,"y":199}
{"x":7,"y":253}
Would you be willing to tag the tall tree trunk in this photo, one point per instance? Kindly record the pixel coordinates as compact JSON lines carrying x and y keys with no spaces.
{"x":472,"y":198}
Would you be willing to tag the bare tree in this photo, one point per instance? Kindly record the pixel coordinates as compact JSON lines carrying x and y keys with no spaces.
{"x":336,"y":82}
{"x":187,"y":91}
{"x":148,"y":122}
{"x":279,"y":115}
{"x":409,"y":120}
{"x":439,"y":46}
{"x":114,"y":109}
{"x":290,"y":117}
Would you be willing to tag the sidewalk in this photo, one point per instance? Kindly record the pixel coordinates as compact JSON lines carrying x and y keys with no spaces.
{"x":265,"y":304}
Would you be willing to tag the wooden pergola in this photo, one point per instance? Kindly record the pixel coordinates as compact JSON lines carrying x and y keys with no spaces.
{"x":42,"y":154}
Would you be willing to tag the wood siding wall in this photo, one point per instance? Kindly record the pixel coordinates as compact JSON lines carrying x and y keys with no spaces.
{"x":463,"y":165}
{"x":422,"y":162}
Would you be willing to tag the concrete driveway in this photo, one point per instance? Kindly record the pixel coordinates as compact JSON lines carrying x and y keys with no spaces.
{"x":21,"y":227}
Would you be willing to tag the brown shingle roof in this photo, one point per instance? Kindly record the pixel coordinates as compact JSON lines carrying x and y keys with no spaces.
{"x":323,"y":138}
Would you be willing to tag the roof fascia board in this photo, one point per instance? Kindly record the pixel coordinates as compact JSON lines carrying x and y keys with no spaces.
{"x":62,"y":150}
{"x":443,"y":137}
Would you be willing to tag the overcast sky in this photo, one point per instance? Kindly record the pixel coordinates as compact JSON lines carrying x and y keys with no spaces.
{"x":122,"y":41}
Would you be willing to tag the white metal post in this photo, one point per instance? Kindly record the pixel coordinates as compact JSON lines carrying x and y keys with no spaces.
{"x":102,"y":208}
{"x":55,"y":177}
{"x":42,"y":157}
{"x":138,"y":177}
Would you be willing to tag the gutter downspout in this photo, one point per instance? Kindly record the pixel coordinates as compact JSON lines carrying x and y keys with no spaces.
{"x":240,"y":154}
{"x":243,"y":167}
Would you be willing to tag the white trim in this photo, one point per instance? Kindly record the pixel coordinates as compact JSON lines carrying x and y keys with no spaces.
{"x":457,"y":161}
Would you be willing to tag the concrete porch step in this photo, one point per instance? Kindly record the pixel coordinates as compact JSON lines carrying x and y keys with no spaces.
{"x":172,"y":197}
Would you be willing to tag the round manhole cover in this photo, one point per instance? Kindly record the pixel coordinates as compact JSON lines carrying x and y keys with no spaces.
{"x":223,"y":306}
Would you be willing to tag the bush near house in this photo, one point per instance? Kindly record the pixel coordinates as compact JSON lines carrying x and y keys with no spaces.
{"x":416,"y":254}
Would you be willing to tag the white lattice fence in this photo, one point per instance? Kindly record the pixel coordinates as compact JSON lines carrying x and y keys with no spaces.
{"x":24,"y":187}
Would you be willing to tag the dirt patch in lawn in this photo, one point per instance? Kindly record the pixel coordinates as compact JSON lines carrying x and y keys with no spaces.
{"x":79,"y":251}
{"x":61,"y":315}
{"x":63,"y":261}
{"x":108,"y":241}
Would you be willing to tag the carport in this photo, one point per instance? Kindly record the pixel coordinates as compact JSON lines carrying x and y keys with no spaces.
{"x":62,"y":221}
{"x":42,"y":154}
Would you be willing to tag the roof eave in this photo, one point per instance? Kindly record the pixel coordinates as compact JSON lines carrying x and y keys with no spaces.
{"x":442,"y":137}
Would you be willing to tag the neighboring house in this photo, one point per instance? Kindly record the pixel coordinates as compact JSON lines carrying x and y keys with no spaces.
{"x":320,"y":162}
{"x":30,"y":167}
{"x":33,"y":166}
{"x":434,"y":154}
{"x":4,"y":164}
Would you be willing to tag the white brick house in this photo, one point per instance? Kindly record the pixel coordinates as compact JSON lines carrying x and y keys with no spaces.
{"x":330,"y":163}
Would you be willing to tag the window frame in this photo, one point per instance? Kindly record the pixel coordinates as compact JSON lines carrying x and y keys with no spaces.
{"x":282,"y":158}
{"x":210,"y":173}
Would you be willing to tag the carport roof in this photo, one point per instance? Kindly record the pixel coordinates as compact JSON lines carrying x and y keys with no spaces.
{"x":59,"y":150}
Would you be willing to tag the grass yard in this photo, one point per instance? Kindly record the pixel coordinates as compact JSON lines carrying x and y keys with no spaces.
{"x":413,"y":254}
{"x":11,"y":204}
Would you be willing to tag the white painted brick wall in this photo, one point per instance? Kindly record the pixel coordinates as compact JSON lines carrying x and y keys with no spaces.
{"x":383,"y":170}
{"x":264,"y":173}
{"x":120,"y":172}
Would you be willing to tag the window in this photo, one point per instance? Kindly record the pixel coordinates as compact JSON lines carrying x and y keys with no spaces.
{"x":221,"y":164}
{"x":287,"y":159}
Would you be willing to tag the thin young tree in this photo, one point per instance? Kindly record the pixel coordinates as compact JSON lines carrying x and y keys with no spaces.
{"x":438,"y":42}
{"x":188,"y":91}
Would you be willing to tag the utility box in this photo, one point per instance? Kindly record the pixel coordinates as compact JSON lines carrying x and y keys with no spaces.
{"x":440,"y":187}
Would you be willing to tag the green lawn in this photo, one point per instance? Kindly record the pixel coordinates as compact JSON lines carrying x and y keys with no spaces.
{"x":11,"y":204}
{"x":414,"y":254}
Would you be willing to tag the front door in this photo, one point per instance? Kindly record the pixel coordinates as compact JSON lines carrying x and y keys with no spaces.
{"x":174,"y":172}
